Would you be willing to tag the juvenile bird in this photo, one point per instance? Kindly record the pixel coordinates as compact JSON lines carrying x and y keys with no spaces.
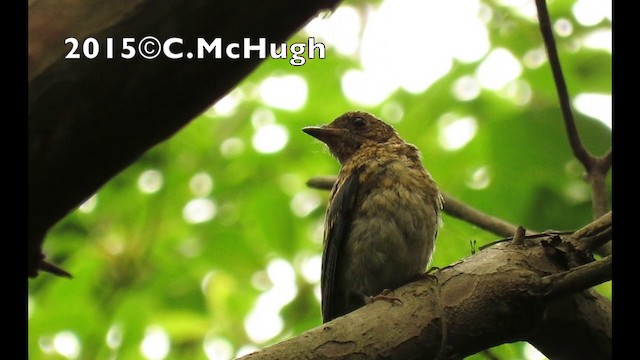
{"x":383,"y":214}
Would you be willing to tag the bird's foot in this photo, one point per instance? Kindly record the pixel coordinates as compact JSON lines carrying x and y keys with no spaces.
{"x":384,"y":295}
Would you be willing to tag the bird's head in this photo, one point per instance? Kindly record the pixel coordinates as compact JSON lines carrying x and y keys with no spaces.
{"x":349,"y":132}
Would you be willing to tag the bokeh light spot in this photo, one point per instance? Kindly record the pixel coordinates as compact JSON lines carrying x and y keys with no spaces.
{"x":288,"y":92}
{"x":466,"y":88}
{"x":392,"y":112}
{"x":597,"y":106}
{"x":456,"y":132}
{"x":498,"y":69}
{"x":592,"y":12}
{"x":577,"y":192}
{"x":66,"y":343}
{"x":264,"y":321}
{"x":261,"y":117}
{"x":227,"y":105}
{"x":270,"y":139}
{"x":262,"y":324}
{"x":156,"y":343}
{"x":232,"y":147}
{"x":563,"y":27}
{"x":340,"y":29}
{"x":304,"y":202}
{"x":150,"y":181}
{"x":199,"y":210}
{"x":217,"y":348}
{"x":524,"y":8}
{"x":201,"y":184}
{"x":310,"y":267}
{"x":479,"y":179}
{"x":534,"y":58}
{"x":519,"y":92}
{"x":599,"y":39}
{"x":364,"y":89}
{"x":114,"y":336}
{"x":46,"y":345}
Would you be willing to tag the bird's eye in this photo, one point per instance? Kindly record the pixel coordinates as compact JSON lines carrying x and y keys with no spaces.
{"x":359,"y":122}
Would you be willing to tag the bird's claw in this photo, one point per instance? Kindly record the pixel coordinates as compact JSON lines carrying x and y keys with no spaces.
{"x":384,"y":295}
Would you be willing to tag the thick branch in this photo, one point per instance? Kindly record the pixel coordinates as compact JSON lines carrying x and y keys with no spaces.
{"x":90,"y":119}
{"x":495,"y":296}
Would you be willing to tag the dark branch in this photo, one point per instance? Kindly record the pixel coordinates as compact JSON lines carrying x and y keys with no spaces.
{"x":128,"y":105}
{"x":596,"y":241}
{"x":605,"y":161}
{"x":599,"y":201}
{"x":561,"y":87}
{"x":452,"y":206}
{"x":593,"y":228}
{"x":322,"y":182}
{"x":578,"y":279}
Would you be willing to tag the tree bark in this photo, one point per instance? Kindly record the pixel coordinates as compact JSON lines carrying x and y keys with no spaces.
{"x":89,"y":119}
{"x":499,"y":295}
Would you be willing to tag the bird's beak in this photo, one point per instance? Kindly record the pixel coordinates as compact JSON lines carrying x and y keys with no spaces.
{"x":325,"y":134}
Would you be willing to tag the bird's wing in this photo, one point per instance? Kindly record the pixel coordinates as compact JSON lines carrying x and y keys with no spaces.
{"x":338,"y":222}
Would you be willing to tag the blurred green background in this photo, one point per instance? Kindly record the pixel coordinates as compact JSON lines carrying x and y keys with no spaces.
{"x":208,"y":247}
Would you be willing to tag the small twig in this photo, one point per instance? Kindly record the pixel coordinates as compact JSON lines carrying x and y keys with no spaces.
{"x":577,"y":279}
{"x":452,"y":206}
{"x":322,"y":182}
{"x":460,"y":210}
{"x":518,"y":237}
{"x":525,"y":238}
{"x":594,"y":227}
{"x":596,"y":241}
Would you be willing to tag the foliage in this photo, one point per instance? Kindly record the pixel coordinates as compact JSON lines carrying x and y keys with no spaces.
{"x":138,"y":265}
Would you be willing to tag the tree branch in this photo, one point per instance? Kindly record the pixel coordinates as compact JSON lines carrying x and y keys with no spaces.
{"x":497,"y":295}
{"x":578,"y":149}
{"x":578,"y":279}
{"x":593,"y":228}
{"x":127,"y":106}
{"x":596,"y":168}
{"x":594,"y":242}
{"x":451,"y":206}
{"x":605,"y":161}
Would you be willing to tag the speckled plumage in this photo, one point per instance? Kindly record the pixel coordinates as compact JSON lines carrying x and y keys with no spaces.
{"x":383,"y":213}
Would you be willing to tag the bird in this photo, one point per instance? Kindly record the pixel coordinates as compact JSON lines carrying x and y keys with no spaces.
{"x":383,"y":215}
